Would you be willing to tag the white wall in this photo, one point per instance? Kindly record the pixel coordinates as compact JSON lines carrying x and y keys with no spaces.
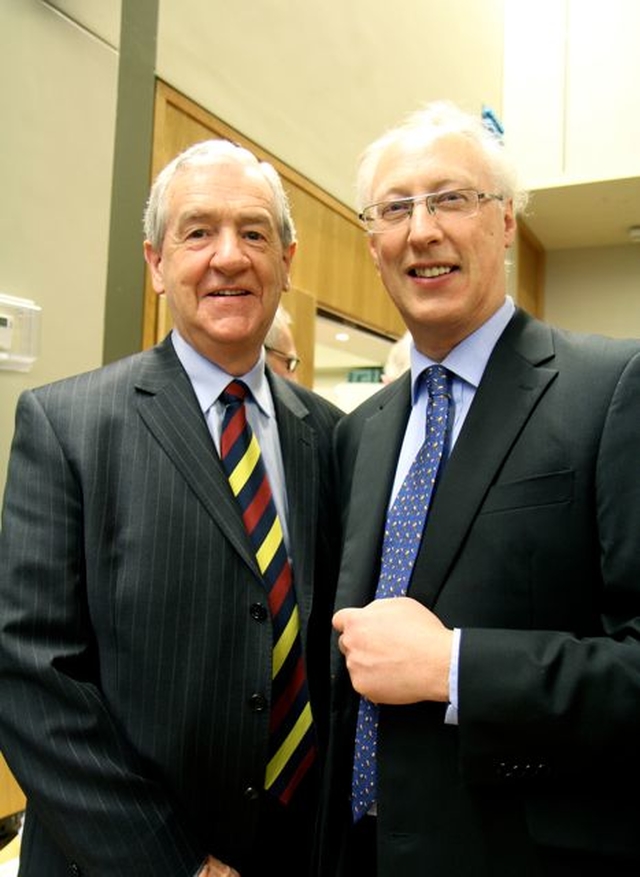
{"x":570,"y":100}
{"x":595,"y":290}
{"x":57,"y":105}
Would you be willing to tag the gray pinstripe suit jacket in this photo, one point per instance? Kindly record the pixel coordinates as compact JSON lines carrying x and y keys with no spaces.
{"x":131,"y":630}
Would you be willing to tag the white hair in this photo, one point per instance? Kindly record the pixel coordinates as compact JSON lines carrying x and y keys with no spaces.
{"x":433,"y":121}
{"x":205,"y":153}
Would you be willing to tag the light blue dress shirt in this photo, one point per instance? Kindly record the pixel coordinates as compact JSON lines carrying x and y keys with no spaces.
{"x":466,"y":362}
{"x":208,"y":381}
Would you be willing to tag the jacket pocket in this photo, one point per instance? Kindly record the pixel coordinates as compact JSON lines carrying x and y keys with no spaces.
{"x":539,"y":490}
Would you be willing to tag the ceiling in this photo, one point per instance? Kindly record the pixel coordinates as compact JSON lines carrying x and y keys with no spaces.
{"x":588,"y":215}
{"x":342,"y":346}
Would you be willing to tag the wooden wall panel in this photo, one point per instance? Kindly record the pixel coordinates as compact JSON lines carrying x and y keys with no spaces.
{"x":531,"y":272}
{"x":12,"y":799}
{"x":332,"y":264}
{"x":301,"y":306}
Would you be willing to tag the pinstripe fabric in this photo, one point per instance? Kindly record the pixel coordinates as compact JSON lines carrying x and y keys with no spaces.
{"x":292,"y":738}
{"x":131,"y":641}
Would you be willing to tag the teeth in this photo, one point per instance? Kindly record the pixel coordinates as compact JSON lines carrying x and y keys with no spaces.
{"x":436,"y":271}
{"x":229,"y":292}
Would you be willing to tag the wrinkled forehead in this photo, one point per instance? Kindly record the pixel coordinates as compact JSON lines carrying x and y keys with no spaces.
{"x":229,"y":181}
{"x":414,"y":164}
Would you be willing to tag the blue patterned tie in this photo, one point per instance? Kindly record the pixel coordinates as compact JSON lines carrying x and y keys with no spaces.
{"x":402,"y":537}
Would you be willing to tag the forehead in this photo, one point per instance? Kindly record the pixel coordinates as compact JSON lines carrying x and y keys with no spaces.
{"x":414,"y":166}
{"x":220,"y":186}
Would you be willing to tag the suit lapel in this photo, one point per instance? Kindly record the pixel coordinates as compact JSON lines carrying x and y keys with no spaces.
{"x":373,"y":475}
{"x":168,"y":406}
{"x":298,"y":443}
{"x":514,"y":373}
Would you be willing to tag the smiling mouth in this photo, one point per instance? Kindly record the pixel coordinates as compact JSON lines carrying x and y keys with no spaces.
{"x":228,"y":293}
{"x":434,"y":271}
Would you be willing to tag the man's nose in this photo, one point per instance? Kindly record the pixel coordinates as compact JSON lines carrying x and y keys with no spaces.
{"x":423,"y":225}
{"x":228,"y":252}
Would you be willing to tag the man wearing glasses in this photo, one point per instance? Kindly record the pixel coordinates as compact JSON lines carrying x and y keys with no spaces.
{"x":486,"y":659}
{"x":280,"y":346}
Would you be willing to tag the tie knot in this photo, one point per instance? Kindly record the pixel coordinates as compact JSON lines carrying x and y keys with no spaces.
{"x":438,"y":380}
{"x":234,"y":393}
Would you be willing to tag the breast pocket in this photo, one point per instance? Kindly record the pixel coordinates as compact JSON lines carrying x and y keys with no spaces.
{"x":539,"y":490}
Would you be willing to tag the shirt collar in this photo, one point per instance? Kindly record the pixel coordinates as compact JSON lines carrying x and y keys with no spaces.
{"x":209,"y":380}
{"x":469,"y":358}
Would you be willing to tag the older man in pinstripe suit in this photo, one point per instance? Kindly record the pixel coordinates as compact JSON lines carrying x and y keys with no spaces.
{"x":135,"y":640}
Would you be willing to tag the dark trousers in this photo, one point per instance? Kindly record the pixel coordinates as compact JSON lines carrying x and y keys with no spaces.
{"x":285,"y":838}
{"x":361,"y":860}
{"x":361,"y":849}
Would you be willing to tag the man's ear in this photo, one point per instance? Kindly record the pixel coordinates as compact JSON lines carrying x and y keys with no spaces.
{"x":510,"y":225}
{"x":287,"y":257}
{"x":374,"y":253}
{"x":153,"y":258}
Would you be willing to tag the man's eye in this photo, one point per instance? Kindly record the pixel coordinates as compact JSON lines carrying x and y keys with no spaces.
{"x":452,"y":199}
{"x":394,"y":209}
{"x":255,"y":236}
{"x":197,"y":233}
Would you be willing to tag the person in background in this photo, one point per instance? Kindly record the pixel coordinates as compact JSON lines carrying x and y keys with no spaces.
{"x":486,"y":659}
{"x":280,"y":346}
{"x":165,"y":603}
{"x":398,"y":360}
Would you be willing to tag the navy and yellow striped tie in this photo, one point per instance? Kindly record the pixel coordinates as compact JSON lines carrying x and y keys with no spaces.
{"x":292,"y":747}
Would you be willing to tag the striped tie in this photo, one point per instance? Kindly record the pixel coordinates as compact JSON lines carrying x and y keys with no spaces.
{"x":291,"y":731}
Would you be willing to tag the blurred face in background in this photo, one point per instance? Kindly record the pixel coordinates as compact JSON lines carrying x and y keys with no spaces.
{"x":281,"y":354}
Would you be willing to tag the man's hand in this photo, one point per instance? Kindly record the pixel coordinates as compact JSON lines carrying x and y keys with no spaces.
{"x":215,"y":868}
{"x":397,"y":651}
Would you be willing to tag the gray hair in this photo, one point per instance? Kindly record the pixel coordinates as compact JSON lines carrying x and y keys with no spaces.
{"x":399,"y":358}
{"x":205,"y":153}
{"x":433,"y":121}
{"x":278,"y":330}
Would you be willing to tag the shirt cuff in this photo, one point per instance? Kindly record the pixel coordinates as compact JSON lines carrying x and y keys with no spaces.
{"x":451,"y":715}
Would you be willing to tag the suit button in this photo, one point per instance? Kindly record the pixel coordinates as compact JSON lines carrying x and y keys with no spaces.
{"x":258,"y":703}
{"x":258,"y":612}
{"x":251,"y":793}
{"x":74,"y":868}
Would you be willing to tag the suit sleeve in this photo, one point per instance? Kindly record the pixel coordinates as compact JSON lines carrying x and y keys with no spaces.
{"x":550,"y":703}
{"x":81,"y":777}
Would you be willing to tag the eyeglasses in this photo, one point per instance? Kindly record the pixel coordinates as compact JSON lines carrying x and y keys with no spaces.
{"x":387,"y":215}
{"x":292,"y":361}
